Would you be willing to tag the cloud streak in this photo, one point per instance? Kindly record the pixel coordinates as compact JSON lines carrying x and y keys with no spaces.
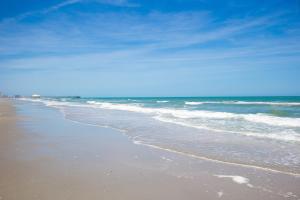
{"x":119,"y":3}
{"x":178,"y":39}
{"x":193,"y":48}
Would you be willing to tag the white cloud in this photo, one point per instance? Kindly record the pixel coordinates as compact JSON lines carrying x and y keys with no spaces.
{"x":189,"y":39}
{"x":120,"y":3}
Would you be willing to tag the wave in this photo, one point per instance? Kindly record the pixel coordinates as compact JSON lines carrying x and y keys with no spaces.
{"x":273,"y":120}
{"x":244,"y":103}
{"x":185,"y":118}
{"x":288,"y":135}
{"x":54,"y":103}
{"x":193,"y":103}
{"x":162,"y":101}
{"x":186,"y":114}
{"x":253,"y":103}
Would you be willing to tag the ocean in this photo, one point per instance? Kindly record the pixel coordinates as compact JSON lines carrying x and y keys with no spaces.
{"x":257,"y":132}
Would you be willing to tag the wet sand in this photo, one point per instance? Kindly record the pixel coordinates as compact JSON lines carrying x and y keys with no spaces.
{"x":44,"y":156}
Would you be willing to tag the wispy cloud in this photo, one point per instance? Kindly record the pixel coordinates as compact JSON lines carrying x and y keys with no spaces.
{"x":171,"y":39}
{"x":102,"y":42}
{"x":60,"y":5}
{"x":41,"y":11}
{"x":122,"y":3}
{"x":119,"y":3}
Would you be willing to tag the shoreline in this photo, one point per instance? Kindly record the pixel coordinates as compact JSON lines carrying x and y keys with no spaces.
{"x":136,"y":142}
{"x":258,"y":166}
{"x":58,"y":159}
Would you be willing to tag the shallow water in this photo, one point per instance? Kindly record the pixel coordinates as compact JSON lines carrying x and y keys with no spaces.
{"x":252,"y":131}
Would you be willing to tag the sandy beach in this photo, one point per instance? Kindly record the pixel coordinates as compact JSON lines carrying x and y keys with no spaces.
{"x":149,"y":100}
{"x":45,"y":156}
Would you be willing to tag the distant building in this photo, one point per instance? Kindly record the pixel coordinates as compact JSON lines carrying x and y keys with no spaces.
{"x":35,"y":96}
{"x":3,"y":95}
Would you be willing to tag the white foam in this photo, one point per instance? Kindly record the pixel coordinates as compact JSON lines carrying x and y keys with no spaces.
{"x":175,"y":112}
{"x":52,"y":103}
{"x":93,"y":102}
{"x":220,"y":194}
{"x":273,"y":120}
{"x":193,"y":103}
{"x":97,"y":104}
{"x":253,"y":103}
{"x":166,"y":159}
{"x":288,"y":135}
{"x":162,"y":101}
{"x":268,"y":103}
{"x":179,"y":113}
{"x":137,"y":142}
{"x":236,"y":179}
{"x":174,"y":115}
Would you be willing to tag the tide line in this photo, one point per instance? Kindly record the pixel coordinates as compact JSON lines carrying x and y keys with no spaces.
{"x":215,"y":160}
{"x":184,"y":153}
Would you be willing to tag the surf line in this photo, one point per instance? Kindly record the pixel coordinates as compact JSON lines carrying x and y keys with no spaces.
{"x":123,"y":132}
{"x":180,"y":152}
{"x":217,"y":161}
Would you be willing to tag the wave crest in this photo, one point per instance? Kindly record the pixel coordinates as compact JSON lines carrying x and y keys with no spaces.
{"x":186,"y":114}
{"x":193,"y":103}
{"x":253,"y":103}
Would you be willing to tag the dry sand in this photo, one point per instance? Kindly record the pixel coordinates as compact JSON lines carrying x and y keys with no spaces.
{"x":44,"y":156}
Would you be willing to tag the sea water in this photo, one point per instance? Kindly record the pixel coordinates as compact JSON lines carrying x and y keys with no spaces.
{"x":258,"y":132}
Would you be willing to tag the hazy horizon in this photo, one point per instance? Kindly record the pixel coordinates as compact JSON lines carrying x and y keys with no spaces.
{"x":250,"y":96}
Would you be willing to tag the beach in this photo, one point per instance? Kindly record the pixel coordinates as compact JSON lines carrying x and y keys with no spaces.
{"x":47,"y":155}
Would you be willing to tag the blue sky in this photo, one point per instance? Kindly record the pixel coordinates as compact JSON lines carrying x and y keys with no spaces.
{"x":150,"y":48}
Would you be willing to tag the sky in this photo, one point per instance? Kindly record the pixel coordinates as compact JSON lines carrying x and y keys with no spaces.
{"x":150,"y":48}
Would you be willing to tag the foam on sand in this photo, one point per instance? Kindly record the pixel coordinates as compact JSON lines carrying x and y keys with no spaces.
{"x":237,"y":179}
{"x":220,"y":194}
{"x":137,"y":142}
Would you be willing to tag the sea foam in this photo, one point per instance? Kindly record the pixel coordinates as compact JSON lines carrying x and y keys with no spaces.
{"x":162,"y":101}
{"x":237,"y":179}
{"x":186,"y":118}
{"x":180,"y":113}
{"x":193,"y":103}
{"x":253,"y":103}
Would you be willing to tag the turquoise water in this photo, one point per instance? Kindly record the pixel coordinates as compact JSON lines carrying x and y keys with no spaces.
{"x":278,"y":106}
{"x":260,"y":131}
